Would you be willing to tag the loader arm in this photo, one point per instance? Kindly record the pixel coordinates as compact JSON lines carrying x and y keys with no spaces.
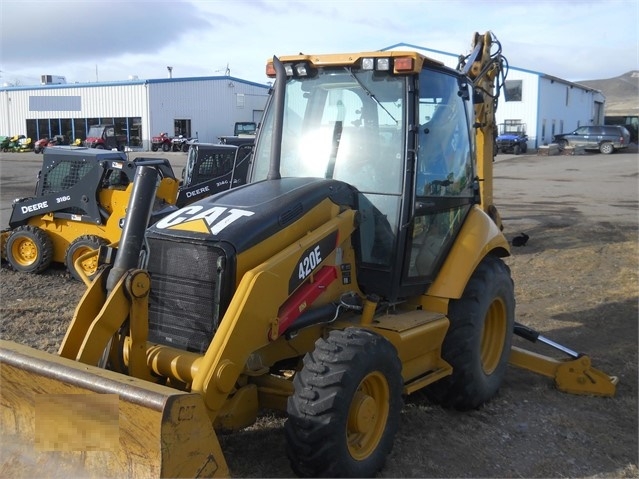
{"x":251,"y":320}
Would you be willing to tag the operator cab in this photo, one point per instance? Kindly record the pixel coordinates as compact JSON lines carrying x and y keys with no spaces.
{"x":396,"y":126}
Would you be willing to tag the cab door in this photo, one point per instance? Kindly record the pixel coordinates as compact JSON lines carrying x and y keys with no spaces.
{"x":444,"y":173}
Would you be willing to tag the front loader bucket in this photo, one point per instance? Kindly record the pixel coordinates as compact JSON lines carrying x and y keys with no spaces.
{"x":61,"y":418}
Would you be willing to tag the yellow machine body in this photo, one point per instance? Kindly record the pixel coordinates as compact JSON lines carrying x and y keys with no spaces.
{"x":303,"y":319}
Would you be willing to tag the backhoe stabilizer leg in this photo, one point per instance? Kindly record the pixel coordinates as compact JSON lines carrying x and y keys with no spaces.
{"x":574,"y":376}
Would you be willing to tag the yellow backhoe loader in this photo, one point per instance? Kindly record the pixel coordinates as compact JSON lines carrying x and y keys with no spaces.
{"x":361,"y":263}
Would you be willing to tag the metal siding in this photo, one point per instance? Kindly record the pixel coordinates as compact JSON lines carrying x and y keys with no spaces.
{"x":553,"y":108}
{"x":524,"y":110}
{"x":209,"y":104}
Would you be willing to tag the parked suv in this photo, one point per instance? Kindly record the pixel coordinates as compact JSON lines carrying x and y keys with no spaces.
{"x":605,"y":138}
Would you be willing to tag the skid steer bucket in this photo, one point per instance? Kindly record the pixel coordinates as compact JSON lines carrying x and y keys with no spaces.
{"x":62,"y":418}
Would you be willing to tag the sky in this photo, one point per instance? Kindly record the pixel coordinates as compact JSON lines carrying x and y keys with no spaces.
{"x":116,"y":40}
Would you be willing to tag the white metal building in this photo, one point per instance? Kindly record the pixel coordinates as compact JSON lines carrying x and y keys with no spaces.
{"x":545,"y":104}
{"x":200,"y":107}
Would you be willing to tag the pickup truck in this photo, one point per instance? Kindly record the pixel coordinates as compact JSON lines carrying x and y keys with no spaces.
{"x":243,"y":134}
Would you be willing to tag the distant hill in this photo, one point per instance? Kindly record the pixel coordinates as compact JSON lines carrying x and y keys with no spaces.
{"x":622,"y":93}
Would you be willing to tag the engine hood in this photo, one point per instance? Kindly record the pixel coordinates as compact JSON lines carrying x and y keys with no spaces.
{"x":245,"y":216}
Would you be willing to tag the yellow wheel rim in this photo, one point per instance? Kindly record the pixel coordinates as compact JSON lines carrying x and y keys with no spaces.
{"x":493,"y":335}
{"x":367,"y":416}
{"x":90,"y":265}
{"x":24,"y":251}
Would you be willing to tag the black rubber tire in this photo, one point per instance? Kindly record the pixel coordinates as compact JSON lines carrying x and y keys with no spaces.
{"x":477,"y":344}
{"x":606,"y":148}
{"x":99,"y":146}
{"x":516,"y":149}
{"x":29,"y":249}
{"x":166,"y":147}
{"x":185,"y":147}
{"x":154,"y":147}
{"x":562,"y":144}
{"x":524,"y":147}
{"x":344,"y":413}
{"x":77,"y":248}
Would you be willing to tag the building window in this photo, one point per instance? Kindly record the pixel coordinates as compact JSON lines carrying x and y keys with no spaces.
{"x":182,"y":127}
{"x":513,"y":90}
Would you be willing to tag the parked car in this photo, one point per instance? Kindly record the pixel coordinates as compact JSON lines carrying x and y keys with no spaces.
{"x":605,"y":138}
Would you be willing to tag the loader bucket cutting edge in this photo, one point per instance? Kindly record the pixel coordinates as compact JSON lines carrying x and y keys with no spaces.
{"x":52,"y":410}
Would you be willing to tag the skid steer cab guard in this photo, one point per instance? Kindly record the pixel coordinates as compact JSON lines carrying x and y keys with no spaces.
{"x":211,"y":168}
{"x":361,"y":262}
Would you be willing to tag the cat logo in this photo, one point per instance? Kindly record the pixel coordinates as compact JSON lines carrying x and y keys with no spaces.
{"x":196,"y":218}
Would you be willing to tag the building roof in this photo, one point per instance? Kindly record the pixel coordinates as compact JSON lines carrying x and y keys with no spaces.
{"x":132,"y":82}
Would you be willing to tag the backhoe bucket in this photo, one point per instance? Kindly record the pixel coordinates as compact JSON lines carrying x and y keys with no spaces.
{"x":61,"y":418}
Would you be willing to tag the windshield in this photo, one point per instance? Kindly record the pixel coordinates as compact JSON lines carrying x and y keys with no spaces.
{"x":342,"y":124}
{"x":95,"y":132}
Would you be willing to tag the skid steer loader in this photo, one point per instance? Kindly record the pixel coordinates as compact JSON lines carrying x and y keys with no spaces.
{"x":361,"y":263}
{"x":79,"y":204}
{"x":81,"y":197}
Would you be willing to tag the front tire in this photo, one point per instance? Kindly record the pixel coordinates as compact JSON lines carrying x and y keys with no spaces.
{"x":29,"y":249}
{"x":77,"y":248}
{"x":562,"y":144}
{"x":166,"y":147}
{"x":344,"y":413}
{"x":479,"y":338}
{"x":154,"y":147}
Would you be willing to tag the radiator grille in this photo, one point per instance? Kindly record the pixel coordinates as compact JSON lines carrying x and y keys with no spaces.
{"x":183,"y":299}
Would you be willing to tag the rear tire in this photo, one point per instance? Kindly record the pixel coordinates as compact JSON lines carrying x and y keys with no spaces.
{"x":606,"y":148}
{"x":29,"y":249}
{"x":166,"y":147}
{"x":185,"y":147}
{"x":77,"y":248}
{"x":478,"y":341}
{"x":344,"y":413}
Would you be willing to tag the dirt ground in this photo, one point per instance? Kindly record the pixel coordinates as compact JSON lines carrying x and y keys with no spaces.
{"x":576,"y":282}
